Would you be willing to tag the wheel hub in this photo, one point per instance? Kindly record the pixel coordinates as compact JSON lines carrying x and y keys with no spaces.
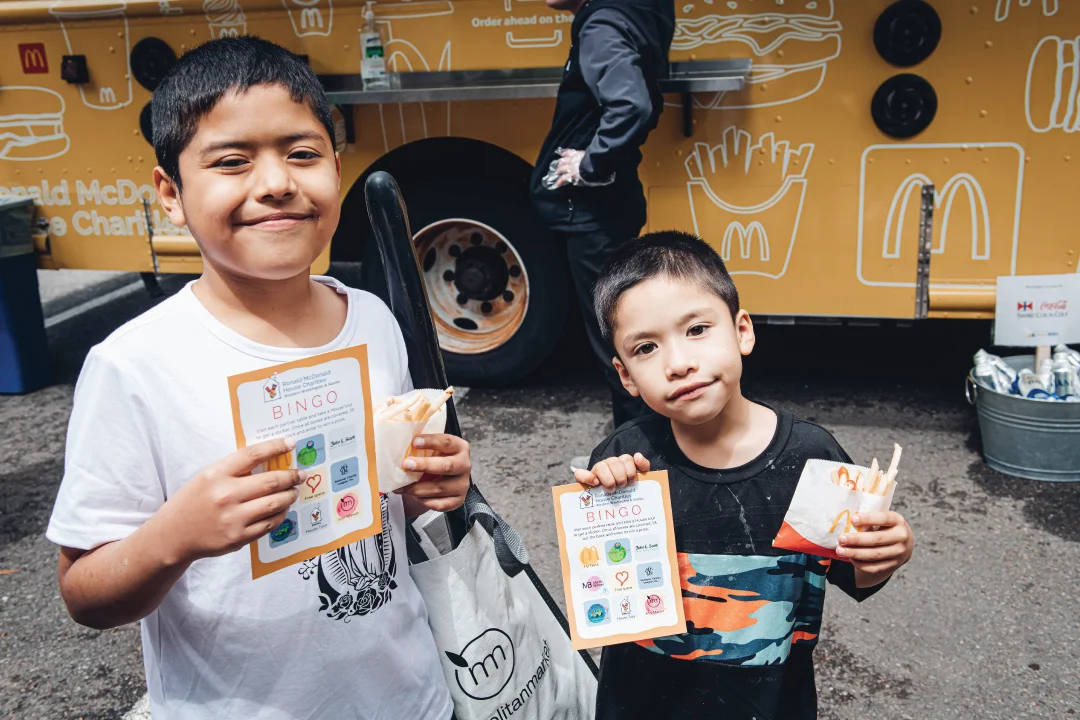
{"x":477,"y":286}
{"x":481,"y":273}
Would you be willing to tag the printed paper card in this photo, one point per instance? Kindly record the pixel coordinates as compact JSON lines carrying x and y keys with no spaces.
{"x":325,"y":403}
{"x":620,"y":571}
{"x":1035,"y":310}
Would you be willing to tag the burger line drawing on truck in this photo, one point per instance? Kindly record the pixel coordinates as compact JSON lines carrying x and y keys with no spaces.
{"x":31,"y":124}
{"x":1052,"y":94}
{"x":791,"y":46}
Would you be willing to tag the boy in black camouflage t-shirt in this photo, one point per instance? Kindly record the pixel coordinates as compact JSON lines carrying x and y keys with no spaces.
{"x":753,"y":612}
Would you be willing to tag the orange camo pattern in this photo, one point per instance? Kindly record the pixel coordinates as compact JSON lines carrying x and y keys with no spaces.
{"x":746,"y":610}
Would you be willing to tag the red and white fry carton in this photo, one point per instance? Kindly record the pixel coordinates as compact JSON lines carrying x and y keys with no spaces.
{"x":828,"y":495}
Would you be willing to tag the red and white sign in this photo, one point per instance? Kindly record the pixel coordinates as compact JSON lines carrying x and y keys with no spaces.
{"x":33,"y":59}
{"x":1034,"y":310}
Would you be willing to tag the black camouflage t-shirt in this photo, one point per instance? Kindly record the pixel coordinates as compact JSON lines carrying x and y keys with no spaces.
{"x":753,"y":612}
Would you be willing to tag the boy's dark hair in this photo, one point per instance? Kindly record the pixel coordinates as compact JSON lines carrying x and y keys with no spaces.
{"x":204,"y":75}
{"x":676,"y":254}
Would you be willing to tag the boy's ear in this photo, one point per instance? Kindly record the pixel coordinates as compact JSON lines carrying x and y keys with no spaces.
{"x":337,"y":166}
{"x":744,"y":330}
{"x":624,"y":376}
{"x":169,"y":197}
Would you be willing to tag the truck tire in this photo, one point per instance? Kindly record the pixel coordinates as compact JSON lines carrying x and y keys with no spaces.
{"x":496,"y":279}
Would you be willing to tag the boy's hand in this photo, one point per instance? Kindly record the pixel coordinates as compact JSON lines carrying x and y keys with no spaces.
{"x":877,"y":554}
{"x":613,"y":473}
{"x":446,"y":476}
{"x":223,"y":507}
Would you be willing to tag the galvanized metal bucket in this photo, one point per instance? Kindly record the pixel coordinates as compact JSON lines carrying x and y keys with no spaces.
{"x":1032,"y":439}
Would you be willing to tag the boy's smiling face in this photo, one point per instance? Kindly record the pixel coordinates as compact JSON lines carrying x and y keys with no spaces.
{"x":679,"y":349}
{"x":261,"y":182}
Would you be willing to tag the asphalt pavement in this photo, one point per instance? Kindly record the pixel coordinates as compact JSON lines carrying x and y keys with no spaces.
{"x":982,"y":624}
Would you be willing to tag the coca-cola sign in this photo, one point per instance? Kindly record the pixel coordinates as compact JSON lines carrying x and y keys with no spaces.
{"x":1037,"y":310}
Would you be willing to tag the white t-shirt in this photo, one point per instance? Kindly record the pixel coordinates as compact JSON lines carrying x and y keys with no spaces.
{"x":342,"y":636}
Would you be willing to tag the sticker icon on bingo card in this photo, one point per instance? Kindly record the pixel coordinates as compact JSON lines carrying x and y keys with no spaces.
{"x":654,"y":604}
{"x":598,"y":612}
{"x":315,"y":486}
{"x":623,"y":581}
{"x":617,"y":551}
{"x":646,"y":546}
{"x":594,"y":585}
{"x":626,"y":607}
{"x":342,"y":441}
{"x":316,"y":516}
{"x":286,"y":532}
{"x":589,"y":556}
{"x":346,"y":506}
{"x":345,"y":474}
{"x":311,"y":451}
{"x":650,"y":575}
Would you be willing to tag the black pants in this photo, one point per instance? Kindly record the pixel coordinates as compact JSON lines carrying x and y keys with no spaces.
{"x":589,"y":253}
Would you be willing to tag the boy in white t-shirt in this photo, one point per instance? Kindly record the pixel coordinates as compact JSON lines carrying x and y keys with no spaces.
{"x":156,"y":500}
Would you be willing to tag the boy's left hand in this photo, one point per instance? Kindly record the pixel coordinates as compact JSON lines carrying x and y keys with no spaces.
{"x":446,"y":475}
{"x":877,"y":554}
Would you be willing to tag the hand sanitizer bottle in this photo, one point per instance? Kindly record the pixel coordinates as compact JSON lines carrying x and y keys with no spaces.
{"x":372,"y":62}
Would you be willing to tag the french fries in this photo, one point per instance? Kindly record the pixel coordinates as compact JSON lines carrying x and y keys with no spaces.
{"x":398,"y":422}
{"x":878,"y":483}
{"x":412,"y":408}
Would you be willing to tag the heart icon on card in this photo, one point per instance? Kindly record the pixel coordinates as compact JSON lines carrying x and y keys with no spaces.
{"x":622,"y":576}
{"x":313,"y":482}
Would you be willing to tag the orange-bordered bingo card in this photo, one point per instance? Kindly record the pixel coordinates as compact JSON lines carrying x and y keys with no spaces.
{"x":620,"y":571}
{"x":325,"y":403}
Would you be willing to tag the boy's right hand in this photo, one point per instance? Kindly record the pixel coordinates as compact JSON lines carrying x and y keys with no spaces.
{"x":613,"y":473}
{"x":224,"y":507}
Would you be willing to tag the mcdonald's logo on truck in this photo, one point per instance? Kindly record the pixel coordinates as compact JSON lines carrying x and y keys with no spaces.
{"x":33,"y":59}
{"x":746,"y":235}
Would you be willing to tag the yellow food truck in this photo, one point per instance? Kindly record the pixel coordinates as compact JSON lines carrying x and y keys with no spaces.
{"x":850,"y":159}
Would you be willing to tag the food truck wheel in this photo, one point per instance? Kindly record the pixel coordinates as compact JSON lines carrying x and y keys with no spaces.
{"x":496,"y":281}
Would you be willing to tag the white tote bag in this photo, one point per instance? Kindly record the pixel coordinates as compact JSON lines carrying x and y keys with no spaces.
{"x":503,"y":650}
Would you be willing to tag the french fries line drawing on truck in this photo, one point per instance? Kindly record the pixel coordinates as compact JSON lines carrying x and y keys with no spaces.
{"x":765,"y":212}
{"x":1004,"y":8}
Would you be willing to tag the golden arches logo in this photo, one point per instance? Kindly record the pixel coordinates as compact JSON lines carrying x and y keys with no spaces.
{"x":844,"y":515}
{"x":33,"y":59}
{"x":945,"y":198}
{"x":746,"y":234}
{"x":589,"y":556}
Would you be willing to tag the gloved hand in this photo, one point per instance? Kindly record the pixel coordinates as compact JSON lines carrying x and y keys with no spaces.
{"x":567,"y":171}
